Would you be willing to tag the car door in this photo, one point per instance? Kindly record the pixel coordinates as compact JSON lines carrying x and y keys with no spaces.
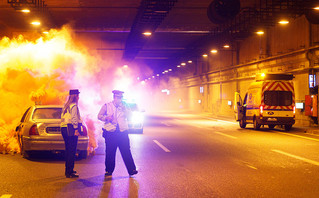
{"x":238,"y":107}
{"x":21,"y":127}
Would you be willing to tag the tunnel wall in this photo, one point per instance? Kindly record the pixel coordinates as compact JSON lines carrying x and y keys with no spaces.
{"x":283,"y":49}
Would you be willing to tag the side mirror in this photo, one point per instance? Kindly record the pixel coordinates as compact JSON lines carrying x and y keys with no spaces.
{"x":17,"y":128}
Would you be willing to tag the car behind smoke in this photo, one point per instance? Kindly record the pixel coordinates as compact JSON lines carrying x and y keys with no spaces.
{"x":136,"y":119}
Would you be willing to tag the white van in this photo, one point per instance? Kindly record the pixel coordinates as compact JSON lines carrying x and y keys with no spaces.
{"x":269,"y":101}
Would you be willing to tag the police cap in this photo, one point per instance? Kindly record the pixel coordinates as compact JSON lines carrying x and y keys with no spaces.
{"x":74,"y":92}
{"x":117,"y":93}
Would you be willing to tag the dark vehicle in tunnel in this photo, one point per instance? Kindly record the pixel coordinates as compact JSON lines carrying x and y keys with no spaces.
{"x":39,"y":130}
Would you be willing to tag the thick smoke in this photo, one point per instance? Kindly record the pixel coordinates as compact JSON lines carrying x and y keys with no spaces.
{"x":42,"y":70}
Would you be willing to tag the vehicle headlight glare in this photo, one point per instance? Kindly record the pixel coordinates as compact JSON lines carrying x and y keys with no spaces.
{"x":137,"y":117}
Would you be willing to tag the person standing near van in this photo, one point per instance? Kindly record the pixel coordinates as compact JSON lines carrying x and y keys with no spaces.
{"x":70,"y":129}
{"x":114,"y":115}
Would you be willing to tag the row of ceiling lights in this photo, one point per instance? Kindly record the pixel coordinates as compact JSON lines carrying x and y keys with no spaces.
{"x":34,"y":22}
{"x":213,"y":51}
{"x":260,"y":33}
{"x":164,"y":72}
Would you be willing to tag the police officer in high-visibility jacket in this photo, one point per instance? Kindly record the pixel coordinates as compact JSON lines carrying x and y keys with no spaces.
{"x":114,"y":115}
{"x":70,"y":127}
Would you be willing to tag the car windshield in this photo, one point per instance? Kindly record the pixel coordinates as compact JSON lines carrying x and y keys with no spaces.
{"x":47,"y":113}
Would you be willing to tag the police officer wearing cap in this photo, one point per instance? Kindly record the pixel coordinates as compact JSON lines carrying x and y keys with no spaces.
{"x":70,"y":127}
{"x":115,"y":131}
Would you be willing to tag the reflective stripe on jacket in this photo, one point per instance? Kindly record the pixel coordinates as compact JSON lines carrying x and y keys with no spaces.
{"x":119,"y":115}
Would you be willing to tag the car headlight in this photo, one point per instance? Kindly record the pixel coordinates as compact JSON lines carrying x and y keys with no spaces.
{"x":137,"y":117}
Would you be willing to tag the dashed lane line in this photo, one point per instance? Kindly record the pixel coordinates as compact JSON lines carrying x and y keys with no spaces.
{"x":230,"y":122}
{"x":299,"y":136}
{"x":226,"y":135}
{"x":6,"y":196}
{"x":166,"y":124}
{"x":162,"y":146}
{"x":297,"y":157}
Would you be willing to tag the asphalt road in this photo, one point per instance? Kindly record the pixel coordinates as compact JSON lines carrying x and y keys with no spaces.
{"x":180,"y":155}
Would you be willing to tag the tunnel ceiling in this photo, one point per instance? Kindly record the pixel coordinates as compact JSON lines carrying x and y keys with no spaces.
{"x":181,"y":28}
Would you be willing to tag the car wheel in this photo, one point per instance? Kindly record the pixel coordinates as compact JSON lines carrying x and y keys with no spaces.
{"x":242,"y":123}
{"x":24,"y":153}
{"x":271,"y":126}
{"x":20,"y":143}
{"x":288,"y":127}
{"x":256,"y":125}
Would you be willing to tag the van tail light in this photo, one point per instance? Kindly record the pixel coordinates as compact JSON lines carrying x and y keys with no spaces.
{"x":85,"y":131}
{"x":33,"y":130}
{"x":261,"y":110}
{"x":294,"y":111}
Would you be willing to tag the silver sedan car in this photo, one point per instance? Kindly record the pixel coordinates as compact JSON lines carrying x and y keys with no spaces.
{"x":39,"y":130}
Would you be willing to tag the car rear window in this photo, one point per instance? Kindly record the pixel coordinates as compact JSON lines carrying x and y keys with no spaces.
{"x":278,"y":98}
{"x":47,"y":113}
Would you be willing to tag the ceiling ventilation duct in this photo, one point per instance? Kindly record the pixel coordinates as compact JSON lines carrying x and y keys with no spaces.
{"x":221,"y":11}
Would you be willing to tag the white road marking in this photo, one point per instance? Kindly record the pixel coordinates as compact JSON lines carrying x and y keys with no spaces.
{"x":230,"y":136}
{"x":304,"y":137}
{"x":297,"y":157}
{"x":166,"y":124}
{"x":227,"y":122}
{"x":6,"y":196}
{"x":230,"y":122}
{"x":162,"y":146}
{"x":250,"y":166}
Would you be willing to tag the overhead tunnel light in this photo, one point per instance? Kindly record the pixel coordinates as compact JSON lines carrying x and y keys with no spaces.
{"x":283,"y":22}
{"x":35,"y":23}
{"x":260,"y":32}
{"x":25,"y":10}
{"x":147,"y":33}
{"x":214,"y":51}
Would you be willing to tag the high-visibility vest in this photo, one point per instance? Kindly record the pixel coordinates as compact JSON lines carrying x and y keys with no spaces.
{"x":66,"y":118}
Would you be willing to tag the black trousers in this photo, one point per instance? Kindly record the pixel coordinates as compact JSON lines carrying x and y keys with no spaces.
{"x":119,"y":140}
{"x":70,"y":150}
{"x":104,"y":134}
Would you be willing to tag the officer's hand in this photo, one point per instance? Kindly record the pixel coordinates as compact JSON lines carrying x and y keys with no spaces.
{"x":76,"y":133}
